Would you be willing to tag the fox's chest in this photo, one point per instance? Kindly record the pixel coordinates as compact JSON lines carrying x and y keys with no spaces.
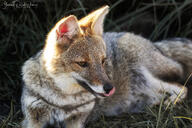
{"x":71,"y":111}
{"x":57,"y":107}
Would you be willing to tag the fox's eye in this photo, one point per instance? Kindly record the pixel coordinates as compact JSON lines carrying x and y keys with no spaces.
{"x":82,"y":64}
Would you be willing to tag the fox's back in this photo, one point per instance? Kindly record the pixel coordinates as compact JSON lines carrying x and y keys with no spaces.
{"x":131,"y":50}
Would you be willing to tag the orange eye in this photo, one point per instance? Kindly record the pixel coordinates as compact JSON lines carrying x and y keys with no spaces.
{"x":82,"y":64}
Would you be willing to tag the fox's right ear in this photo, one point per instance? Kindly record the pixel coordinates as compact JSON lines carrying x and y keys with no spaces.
{"x":93,"y":23}
{"x":66,"y":29}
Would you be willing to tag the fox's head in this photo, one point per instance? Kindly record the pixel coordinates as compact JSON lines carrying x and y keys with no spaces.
{"x":75,"y":53}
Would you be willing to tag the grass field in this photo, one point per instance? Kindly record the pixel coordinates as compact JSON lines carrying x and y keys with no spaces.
{"x":23,"y":31}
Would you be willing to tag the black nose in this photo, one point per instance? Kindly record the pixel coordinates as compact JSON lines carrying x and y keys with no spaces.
{"x":107,"y":87}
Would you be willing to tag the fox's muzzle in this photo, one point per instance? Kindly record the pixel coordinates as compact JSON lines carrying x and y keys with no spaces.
{"x":107,"y":88}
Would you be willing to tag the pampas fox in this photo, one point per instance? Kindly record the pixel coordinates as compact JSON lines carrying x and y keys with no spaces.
{"x":82,"y":72}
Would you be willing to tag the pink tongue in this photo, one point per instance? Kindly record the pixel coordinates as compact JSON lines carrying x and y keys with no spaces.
{"x":110,"y":93}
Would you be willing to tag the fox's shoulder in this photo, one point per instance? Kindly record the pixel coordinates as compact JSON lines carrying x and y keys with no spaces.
{"x":111,"y":39}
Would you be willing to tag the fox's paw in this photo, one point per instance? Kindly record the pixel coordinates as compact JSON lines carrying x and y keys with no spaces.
{"x":176,"y":97}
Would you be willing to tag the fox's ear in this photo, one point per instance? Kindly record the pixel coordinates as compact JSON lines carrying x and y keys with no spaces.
{"x":66,"y":29}
{"x":63,"y":32}
{"x":93,"y":23}
{"x":60,"y":38}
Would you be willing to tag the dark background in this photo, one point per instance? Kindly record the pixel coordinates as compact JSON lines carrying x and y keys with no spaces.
{"x":23,"y":30}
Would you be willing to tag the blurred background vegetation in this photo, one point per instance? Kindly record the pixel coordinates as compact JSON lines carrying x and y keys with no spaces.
{"x":23,"y":31}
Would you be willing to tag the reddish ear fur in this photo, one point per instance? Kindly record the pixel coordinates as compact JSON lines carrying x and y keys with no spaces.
{"x":63,"y":28}
{"x":67,"y":28}
{"x":59,"y":38}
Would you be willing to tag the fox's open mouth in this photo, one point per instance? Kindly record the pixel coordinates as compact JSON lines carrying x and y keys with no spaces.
{"x":109,"y":94}
{"x":86,"y":86}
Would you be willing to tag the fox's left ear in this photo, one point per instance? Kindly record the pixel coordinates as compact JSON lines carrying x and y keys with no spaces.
{"x":93,"y":23}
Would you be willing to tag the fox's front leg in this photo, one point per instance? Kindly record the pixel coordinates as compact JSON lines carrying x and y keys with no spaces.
{"x":37,"y":114}
{"x":35,"y":117}
{"x":43,"y":118}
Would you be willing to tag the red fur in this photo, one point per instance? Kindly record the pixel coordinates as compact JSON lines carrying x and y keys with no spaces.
{"x":63,"y":28}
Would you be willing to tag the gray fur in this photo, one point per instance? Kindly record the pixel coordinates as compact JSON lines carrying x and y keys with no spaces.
{"x":65,"y":81}
{"x":136,"y":68}
{"x":133,"y":55}
{"x":39,"y":106}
